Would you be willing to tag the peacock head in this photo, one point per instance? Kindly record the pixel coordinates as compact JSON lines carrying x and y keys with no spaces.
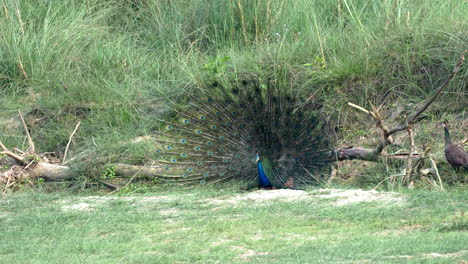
{"x":261,"y":159}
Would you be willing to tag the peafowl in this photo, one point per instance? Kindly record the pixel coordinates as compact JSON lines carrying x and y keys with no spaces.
{"x":260,"y":134}
{"x":455,"y":155}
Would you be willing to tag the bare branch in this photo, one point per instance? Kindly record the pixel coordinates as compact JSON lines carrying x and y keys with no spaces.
{"x":373,"y":154}
{"x":112,"y":186}
{"x":69,"y":141}
{"x":11,"y":154}
{"x":434,"y":165}
{"x":362,"y":109}
{"x":32,"y":148}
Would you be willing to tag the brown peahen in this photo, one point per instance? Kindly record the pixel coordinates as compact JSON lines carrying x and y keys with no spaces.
{"x":262,"y":134}
{"x":455,"y":155}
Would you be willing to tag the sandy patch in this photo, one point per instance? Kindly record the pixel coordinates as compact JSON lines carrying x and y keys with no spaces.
{"x":346,"y":197}
{"x":263,"y":196}
{"x":341,"y":197}
{"x":77,"y":207}
{"x":221,"y":241}
{"x":92,"y":202}
{"x":171,"y":212}
{"x":257,"y":198}
{"x":247,"y":253}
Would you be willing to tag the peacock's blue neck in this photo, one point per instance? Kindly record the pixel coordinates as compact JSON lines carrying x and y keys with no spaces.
{"x":262,"y":175}
{"x":448,"y":139}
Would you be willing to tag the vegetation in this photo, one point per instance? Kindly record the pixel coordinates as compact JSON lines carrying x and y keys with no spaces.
{"x":114,"y":65}
{"x":209,"y":226}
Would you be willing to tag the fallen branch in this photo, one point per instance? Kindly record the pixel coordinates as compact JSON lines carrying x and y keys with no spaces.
{"x":50,"y":172}
{"x":113,"y":187}
{"x":31,"y":165}
{"x":366,"y":154}
{"x":135,"y":171}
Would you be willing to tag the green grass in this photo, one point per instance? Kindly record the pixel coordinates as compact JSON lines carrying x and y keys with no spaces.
{"x":114,"y":66}
{"x":184,"y":227}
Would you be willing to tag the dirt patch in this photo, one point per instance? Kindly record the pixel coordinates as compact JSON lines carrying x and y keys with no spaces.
{"x":171,"y":212}
{"x":341,"y":197}
{"x":78,"y":207}
{"x":346,"y":197}
{"x":263,"y":196}
{"x":403,"y":230}
{"x":247,"y":253}
{"x":221,"y":241}
{"x":92,"y":202}
{"x":258,"y":198}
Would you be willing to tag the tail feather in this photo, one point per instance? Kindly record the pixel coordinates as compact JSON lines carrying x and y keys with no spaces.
{"x":217,"y":137}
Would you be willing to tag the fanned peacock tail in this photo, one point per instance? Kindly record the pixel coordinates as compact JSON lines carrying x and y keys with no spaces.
{"x":247,"y":131}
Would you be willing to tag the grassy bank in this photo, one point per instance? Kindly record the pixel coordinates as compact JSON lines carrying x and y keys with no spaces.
{"x":114,"y":65}
{"x":207,"y":226}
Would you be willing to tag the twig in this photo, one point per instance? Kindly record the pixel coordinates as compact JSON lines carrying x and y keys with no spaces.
{"x":332,"y":175}
{"x":32,"y":148}
{"x":29,"y":164}
{"x":6,"y":11}
{"x":114,"y":187}
{"x":118,"y":188}
{"x":65,"y":86}
{"x":409,"y":164}
{"x":134,"y":175}
{"x":380,"y":123}
{"x":69,"y":141}
{"x":75,"y":157}
{"x":434,"y":165}
{"x":387,"y":139}
{"x":362,"y":109}
{"x":11,"y":154}
{"x":19,"y":150}
{"x":6,"y":185}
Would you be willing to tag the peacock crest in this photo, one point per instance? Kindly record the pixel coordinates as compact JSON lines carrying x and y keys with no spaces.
{"x":258,"y":133}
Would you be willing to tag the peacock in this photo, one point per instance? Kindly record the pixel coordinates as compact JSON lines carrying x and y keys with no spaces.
{"x":260,"y":133}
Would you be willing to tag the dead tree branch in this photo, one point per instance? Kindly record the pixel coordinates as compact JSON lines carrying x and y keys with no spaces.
{"x":375,"y":154}
{"x":31,"y":165}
